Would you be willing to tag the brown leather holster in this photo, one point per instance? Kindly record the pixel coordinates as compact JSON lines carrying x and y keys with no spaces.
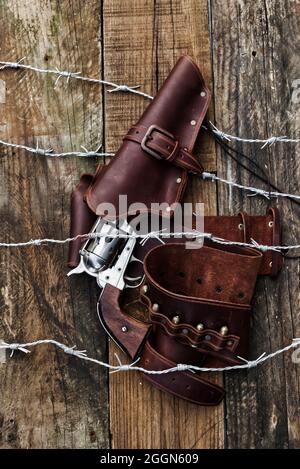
{"x":208,"y":289}
{"x":199,"y":303}
{"x":152,"y":163}
{"x":198,"y":300}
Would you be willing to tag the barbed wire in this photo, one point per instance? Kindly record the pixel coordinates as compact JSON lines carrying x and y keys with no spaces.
{"x":133,"y":89}
{"x":81,"y":354}
{"x":72,"y":75}
{"x":255,"y":190}
{"x":193,"y":234}
{"x":50,"y":152}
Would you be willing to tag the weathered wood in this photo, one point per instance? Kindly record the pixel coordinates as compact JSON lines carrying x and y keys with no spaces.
{"x":255,"y":63}
{"x":141,"y":45}
{"x":47,"y":398}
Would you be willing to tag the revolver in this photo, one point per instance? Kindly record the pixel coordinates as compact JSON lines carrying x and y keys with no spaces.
{"x":106,"y":255}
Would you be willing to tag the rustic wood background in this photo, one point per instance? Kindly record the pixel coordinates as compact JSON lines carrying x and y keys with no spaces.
{"x":248,"y":53}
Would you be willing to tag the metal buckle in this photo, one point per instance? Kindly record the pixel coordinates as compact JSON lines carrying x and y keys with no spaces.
{"x":148,"y":135}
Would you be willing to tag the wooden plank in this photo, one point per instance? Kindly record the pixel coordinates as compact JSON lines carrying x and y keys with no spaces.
{"x":254,"y":52}
{"x":142,"y":42}
{"x":47,"y":398}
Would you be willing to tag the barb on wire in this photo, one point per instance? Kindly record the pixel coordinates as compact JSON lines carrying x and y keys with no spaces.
{"x":81,"y":354}
{"x":14,"y":347}
{"x":19,"y":65}
{"x":253,"y":190}
{"x":50,"y":153}
{"x":159,"y":235}
{"x":262,"y":247}
{"x":74,"y":75}
{"x":124,"y":366}
{"x":265,"y":141}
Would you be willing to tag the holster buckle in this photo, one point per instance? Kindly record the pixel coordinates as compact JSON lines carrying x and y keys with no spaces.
{"x":147,"y":137}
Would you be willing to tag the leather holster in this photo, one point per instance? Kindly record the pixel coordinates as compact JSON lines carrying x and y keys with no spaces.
{"x":152,"y":163}
{"x":199,"y":299}
{"x":199,"y":307}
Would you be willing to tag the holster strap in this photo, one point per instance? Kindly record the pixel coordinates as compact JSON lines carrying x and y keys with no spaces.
{"x":127,"y":332}
{"x":160,"y":144}
{"x":183,"y":384}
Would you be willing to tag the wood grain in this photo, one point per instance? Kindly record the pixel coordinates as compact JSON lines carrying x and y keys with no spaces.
{"x":141,"y":45}
{"x":255,"y":61}
{"x":47,"y":398}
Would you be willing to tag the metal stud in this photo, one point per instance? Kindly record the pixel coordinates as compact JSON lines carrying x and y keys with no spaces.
{"x":155,"y":307}
{"x":271,"y":223}
{"x":224,"y":330}
{"x":144,"y":288}
{"x":168,"y":209}
{"x":193,"y":122}
{"x":241,"y":226}
{"x":176,"y":319}
{"x":124,"y":328}
{"x":200,"y":326}
{"x":203,"y":94}
{"x":178,"y":180}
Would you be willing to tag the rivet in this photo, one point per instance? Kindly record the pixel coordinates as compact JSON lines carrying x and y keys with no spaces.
{"x":155,"y":307}
{"x":241,"y":226}
{"x":202,"y":94}
{"x":207,"y":337}
{"x":176,"y":319}
{"x":271,"y":263}
{"x":144,"y":288}
{"x":193,"y":346}
{"x":193,"y":122}
{"x":185,"y":331}
{"x":224,"y":330}
{"x":124,"y":329}
{"x":200,"y":326}
{"x":229,"y":343}
{"x":178,"y":180}
{"x":271,"y":223}
{"x":168,"y":209}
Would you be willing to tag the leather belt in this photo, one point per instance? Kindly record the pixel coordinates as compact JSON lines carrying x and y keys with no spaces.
{"x":199,"y":304}
{"x":182,"y":384}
